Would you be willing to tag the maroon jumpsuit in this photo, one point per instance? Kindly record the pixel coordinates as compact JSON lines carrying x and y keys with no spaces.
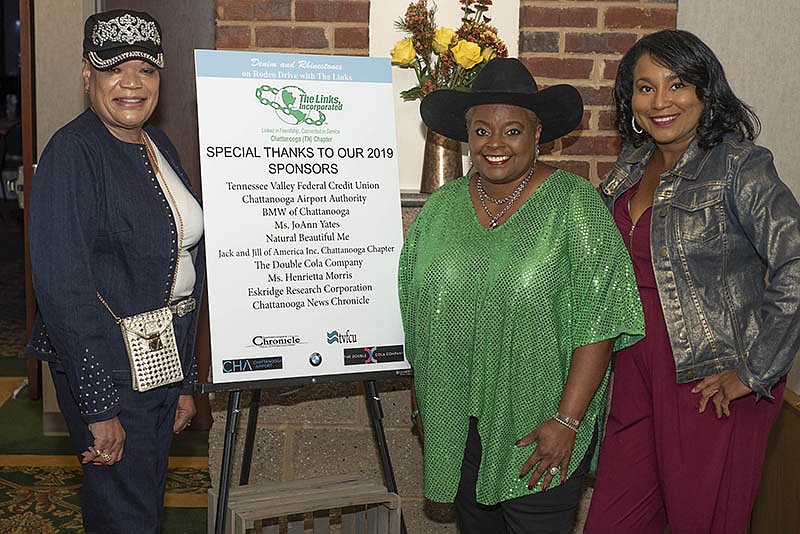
{"x":662,"y":462}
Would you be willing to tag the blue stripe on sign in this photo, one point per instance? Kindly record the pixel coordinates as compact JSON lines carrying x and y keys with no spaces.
{"x":265,"y":65}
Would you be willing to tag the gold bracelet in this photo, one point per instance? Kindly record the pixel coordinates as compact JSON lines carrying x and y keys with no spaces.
{"x":567,"y":421}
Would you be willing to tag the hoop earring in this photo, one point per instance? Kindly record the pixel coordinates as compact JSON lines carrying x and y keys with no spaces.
{"x":633,"y":125}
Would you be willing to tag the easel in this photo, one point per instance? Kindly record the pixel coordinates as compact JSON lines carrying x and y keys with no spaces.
{"x":232,"y":422}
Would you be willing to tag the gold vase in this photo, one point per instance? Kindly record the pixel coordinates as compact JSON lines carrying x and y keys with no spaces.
{"x":440,"y":163}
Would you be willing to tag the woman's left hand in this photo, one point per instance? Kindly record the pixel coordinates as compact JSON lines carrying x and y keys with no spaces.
{"x":184,"y":413}
{"x":553,"y":451}
{"x":721,"y":388}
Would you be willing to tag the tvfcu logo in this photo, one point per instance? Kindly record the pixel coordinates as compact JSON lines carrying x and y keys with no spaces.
{"x":342,"y":338}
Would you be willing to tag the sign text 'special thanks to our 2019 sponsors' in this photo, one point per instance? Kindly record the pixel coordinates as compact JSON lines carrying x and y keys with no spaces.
{"x":302,"y":214}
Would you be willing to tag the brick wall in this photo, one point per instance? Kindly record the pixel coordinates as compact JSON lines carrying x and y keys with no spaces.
{"x":309,"y":26}
{"x":581,"y":43}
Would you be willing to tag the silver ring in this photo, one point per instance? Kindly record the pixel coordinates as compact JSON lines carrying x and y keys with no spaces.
{"x":553,"y":471}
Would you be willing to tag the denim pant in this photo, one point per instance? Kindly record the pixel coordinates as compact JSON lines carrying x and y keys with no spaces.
{"x":552,"y":511}
{"x":127,"y":497}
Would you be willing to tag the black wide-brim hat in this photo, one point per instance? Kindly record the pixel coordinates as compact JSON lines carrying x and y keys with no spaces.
{"x":116,"y":36}
{"x":504,"y":81}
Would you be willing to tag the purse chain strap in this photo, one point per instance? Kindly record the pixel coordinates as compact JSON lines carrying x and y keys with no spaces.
{"x":154,"y":162}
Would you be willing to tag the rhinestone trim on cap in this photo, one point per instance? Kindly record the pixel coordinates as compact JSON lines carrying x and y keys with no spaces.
{"x":125,"y":29}
{"x":100,"y":63}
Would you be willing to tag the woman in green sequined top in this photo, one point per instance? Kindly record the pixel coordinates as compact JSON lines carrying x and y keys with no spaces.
{"x":515,"y":286}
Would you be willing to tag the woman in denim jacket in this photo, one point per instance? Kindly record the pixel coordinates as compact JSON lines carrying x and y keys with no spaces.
{"x":714,"y":236}
{"x":113,"y":215}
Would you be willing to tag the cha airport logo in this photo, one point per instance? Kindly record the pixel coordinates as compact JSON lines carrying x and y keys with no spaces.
{"x":248,"y":365}
{"x":342,"y":338}
{"x":295,"y":107}
{"x":373,"y":355}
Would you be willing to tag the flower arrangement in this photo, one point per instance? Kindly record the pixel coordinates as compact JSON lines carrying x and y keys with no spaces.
{"x":443,"y":58}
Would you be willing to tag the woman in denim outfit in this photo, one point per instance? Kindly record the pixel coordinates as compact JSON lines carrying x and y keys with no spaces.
{"x":112,"y":214}
{"x":714,"y":236}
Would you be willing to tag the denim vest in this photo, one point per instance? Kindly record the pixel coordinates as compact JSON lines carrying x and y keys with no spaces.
{"x":99,"y":222}
{"x":725,"y":246}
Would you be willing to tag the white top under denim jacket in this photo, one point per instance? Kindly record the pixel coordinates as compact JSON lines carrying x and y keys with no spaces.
{"x":99,"y":221}
{"x":725,"y":245}
{"x":188,"y":213}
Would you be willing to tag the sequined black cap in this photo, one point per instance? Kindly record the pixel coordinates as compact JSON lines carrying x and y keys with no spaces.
{"x":112,"y":37}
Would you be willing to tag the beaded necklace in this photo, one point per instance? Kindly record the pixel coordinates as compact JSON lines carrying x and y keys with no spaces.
{"x":509,"y":200}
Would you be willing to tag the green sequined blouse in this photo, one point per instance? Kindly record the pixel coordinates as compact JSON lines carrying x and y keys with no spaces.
{"x":491,"y":319}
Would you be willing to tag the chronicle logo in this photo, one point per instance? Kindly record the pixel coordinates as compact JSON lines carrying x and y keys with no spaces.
{"x":315,"y":359}
{"x":342,"y":337}
{"x":369,"y":355}
{"x":245,"y":365}
{"x":276,"y":341}
{"x":294,"y":106}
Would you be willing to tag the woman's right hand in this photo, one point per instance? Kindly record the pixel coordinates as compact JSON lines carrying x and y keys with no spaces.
{"x":554,"y":444}
{"x":109,"y":442}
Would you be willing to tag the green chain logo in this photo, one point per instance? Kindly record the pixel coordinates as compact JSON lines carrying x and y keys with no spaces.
{"x":293,"y":106}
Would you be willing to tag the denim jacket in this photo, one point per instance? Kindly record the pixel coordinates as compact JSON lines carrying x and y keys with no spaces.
{"x":725,"y":246}
{"x":99,"y":222}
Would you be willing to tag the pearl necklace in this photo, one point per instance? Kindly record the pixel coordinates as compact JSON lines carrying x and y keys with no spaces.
{"x":508,"y":200}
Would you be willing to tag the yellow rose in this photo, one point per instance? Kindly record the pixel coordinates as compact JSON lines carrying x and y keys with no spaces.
{"x":467,"y":54}
{"x":488,"y":54}
{"x":403,"y":52}
{"x":442,"y":39}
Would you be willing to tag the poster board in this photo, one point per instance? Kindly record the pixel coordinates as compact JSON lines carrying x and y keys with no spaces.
{"x":302,"y":215}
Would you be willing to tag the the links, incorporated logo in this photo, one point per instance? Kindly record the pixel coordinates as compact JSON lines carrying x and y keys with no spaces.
{"x":276,"y":341}
{"x":245,"y":365}
{"x":293,"y":106}
{"x":343,"y":338}
{"x":367,"y":355}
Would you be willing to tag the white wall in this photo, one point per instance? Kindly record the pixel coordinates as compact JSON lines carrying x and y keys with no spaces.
{"x":383,"y":36}
{"x":758,"y":43}
{"x":57,"y":61}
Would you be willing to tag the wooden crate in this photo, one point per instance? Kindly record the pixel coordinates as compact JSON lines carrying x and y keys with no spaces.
{"x":365,"y":507}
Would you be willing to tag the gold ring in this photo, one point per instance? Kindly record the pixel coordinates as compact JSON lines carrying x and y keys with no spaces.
{"x":104,"y":456}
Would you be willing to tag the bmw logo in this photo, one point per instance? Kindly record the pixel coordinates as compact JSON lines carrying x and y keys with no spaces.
{"x":315,"y":359}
